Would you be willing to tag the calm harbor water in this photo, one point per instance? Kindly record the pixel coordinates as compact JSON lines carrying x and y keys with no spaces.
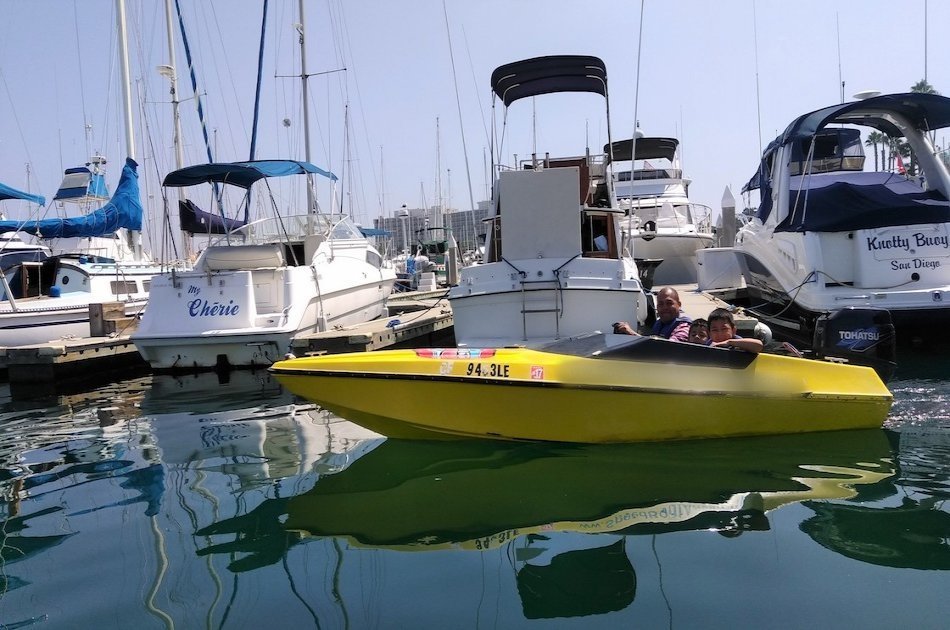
{"x":166,"y":502}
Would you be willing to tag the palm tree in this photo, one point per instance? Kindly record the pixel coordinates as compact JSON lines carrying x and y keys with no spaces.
{"x":923,"y":87}
{"x":875,"y":138}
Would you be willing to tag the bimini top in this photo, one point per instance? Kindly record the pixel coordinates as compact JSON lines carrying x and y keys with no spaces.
{"x":647,"y":149}
{"x":545,"y":75}
{"x":12,"y":193}
{"x":242,"y":174}
{"x":924,"y":111}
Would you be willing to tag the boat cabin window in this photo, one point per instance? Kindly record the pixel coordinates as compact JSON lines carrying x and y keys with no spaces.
{"x":374,"y":258}
{"x":494,"y":245}
{"x":598,"y":238}
{"x":835,"y":149}
{"x":123,"y":287}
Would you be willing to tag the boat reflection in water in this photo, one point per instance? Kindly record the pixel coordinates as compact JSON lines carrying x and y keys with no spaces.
{"x":193,"y":502}
{"x":537,"y":503}
{"x":480,"y":494}
{"x":101,"y":494}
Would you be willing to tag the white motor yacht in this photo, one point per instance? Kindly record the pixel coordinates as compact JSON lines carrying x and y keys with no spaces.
{"x":260,"y":285}
{"x":663,"y":223}
{"x":831,"y":235}
{"x":555,"y":264}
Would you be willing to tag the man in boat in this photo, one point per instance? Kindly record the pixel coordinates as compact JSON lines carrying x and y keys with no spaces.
{"x":671,"y":322}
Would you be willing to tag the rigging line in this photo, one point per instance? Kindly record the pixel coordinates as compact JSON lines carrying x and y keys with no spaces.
{"x":377,"y":178}
{"x":260,"y":76}
{"x":659,"y":568}
{"x":758,"y":104}
{"x":293,"y":583}
{"x":636,"y":102}
{"x":458,"y":103}
{"x":82,"y":83}
{"x":478,"y":92}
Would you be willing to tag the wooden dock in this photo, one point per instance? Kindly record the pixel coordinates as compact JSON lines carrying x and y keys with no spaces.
{"x":415,"y":319}
{"x":698,"y":304}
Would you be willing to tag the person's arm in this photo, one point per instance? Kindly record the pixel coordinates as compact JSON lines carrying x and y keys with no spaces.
{"x":681,"y":332}
{"x":623,"y":328}
{"x":741,"y":343}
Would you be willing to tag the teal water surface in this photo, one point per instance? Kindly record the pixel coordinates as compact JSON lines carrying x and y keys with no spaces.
{"x":167,"y":502}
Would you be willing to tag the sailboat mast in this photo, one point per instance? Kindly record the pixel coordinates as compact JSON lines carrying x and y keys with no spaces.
{"x":135,"y":238}
{"x":311,"y":202}
{"x":172,"y":74}
{"x":126,"y":81}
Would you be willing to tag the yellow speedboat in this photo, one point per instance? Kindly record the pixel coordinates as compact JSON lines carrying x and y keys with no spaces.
{"x":597,"y":388}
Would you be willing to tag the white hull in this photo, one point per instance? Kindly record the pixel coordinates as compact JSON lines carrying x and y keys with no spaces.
{"x":676,"y":250}
{"x":248,"y":317}
{"x":490,"y":309}
{"x":41,"y":319}
{"x":851,"y":274}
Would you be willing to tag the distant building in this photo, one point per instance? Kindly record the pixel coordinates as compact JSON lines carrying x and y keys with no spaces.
{"x":466,"y":225}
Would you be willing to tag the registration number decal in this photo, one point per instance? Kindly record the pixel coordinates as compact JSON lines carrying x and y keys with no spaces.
{"x":499,"y":370}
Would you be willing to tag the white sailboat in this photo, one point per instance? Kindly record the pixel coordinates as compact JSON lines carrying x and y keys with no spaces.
{"x":50,"y":299}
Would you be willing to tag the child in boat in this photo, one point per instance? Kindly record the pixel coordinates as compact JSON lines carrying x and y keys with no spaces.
{"x":722,"y":333}
{"x":699,"y":331}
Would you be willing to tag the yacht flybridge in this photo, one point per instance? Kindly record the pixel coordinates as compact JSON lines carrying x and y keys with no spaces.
{"x":829,"y":236}
{"x":556,"y":264}
{"x":660,"y":219}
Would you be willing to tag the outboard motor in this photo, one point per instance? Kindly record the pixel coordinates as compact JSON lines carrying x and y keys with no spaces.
{"x":861,"y":336}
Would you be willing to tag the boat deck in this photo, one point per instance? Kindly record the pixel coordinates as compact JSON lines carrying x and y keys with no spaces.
{"x":698,"y":304}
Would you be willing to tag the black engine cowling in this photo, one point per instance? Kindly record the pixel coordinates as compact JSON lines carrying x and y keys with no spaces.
{"x":862,"y":336}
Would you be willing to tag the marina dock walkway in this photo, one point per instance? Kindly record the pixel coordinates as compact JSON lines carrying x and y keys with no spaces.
{"x":415,"y":319}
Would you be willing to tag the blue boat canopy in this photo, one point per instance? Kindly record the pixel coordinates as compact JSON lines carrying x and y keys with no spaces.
{"x":924,"y":111}
{"x":124,"y":210}
{"x":545,"y":75}
{"x":80,"y":184}
{"x":242,"y":174}
{"x":12,"y":193}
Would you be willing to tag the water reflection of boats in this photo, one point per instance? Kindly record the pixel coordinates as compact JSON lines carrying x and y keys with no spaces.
{"x":249,"y":424}
{"x":480,"y":495}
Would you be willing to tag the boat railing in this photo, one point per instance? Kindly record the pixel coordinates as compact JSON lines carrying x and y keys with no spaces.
{"x":293,"y":228}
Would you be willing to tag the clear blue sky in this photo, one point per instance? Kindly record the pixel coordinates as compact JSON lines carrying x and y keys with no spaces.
{"x":697,"y":67}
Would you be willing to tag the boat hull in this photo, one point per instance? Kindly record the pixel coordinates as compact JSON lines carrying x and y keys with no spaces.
{"x":522,"y":394}
{"x":167,"y":349}
{"x":678,"y":252}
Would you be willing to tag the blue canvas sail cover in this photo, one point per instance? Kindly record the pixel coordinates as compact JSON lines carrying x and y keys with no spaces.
{"x":12,"y":193}
{"x":81,"y":185}
{"x":194,"y":220}
{"x":124,"y":210}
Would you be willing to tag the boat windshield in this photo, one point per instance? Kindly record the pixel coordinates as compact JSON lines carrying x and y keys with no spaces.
{"x":648,"y":349}
{"x":296,"y":228}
